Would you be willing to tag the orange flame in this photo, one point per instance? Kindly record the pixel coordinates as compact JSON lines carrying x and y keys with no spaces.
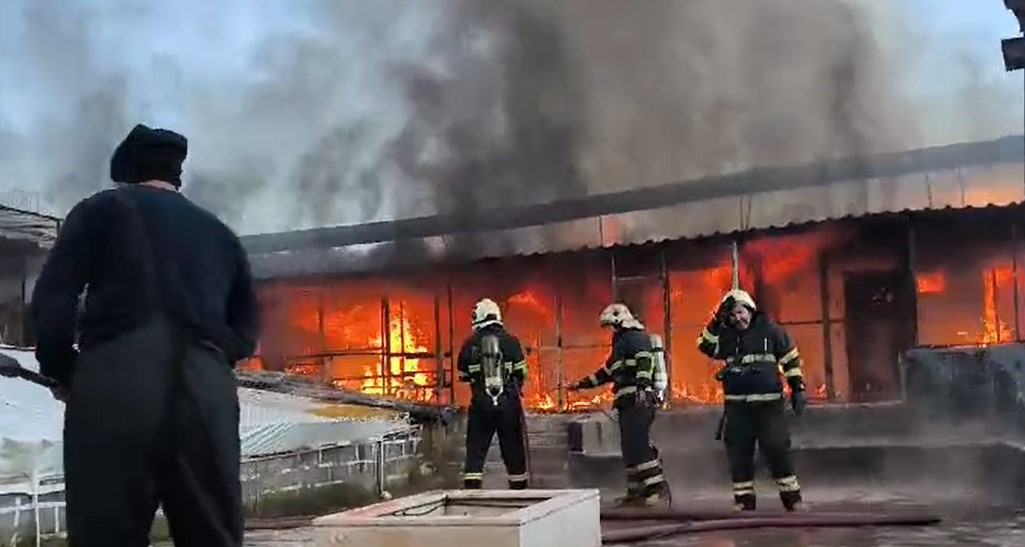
{"x":931,"y":282}
{"x":338,"y":338}
{"x":994,"y":329}
{"x":403,"y":378}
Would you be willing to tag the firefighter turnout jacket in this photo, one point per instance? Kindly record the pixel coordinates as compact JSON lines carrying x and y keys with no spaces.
{"x":630,"y":366}
{"x":470,"y":364}
{"x":754,"y":359}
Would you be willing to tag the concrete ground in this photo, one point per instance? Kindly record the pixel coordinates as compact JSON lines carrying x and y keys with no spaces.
{"x":965,"y":523}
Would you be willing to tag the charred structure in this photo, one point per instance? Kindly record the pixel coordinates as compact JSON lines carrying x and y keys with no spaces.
{"x":25,"y":237}
{"x":925,"y":248}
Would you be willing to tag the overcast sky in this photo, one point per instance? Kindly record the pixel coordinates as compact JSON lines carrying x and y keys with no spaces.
{"x":159,"y":49}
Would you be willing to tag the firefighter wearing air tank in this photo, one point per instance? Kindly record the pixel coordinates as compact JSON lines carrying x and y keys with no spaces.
{"x":492,"y":362}
{"x":636,"y":386}
{"x":755,"y":350}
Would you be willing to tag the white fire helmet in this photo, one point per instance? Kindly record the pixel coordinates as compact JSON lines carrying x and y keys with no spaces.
{"x":740,"y":297}
{"x":486,"y":312}
{"x":619,"y":316}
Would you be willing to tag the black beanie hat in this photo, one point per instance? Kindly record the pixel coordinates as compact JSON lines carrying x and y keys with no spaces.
{"x":149,"y":154}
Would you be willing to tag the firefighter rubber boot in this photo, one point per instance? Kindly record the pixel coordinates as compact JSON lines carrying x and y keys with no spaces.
{"x":631,"y":499}
{"x":746,"y":502}
{"x":662,"y":498}
{"x":633,"y":492}
{"x":791,"y":501}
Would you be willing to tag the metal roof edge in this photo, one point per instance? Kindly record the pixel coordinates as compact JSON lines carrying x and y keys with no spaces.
{"x":759,"y":179}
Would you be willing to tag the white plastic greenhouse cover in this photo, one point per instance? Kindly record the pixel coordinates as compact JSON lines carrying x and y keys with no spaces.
{"x":31,"y":421}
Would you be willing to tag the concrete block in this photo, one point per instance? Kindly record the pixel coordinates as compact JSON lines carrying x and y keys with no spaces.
{"x":593,"y":434}
{"x":495,"y":518}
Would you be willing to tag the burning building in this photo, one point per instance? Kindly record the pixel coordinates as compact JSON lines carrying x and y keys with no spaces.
{"x":25,"y":237}
{"x":860,"y":260}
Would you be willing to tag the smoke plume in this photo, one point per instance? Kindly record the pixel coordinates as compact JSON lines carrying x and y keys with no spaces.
{"x":327,"y":112}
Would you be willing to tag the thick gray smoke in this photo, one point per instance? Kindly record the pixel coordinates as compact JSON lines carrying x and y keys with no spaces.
{"x":327,"y":112}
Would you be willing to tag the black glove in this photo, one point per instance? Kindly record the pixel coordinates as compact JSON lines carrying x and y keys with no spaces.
{"x":798,"y":400}
{"x":722,"y":313}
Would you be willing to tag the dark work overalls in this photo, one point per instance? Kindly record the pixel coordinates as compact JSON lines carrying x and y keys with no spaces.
{"x":754,"y":402}
{"x":492,"y":362}
{"x":630,"y":367}
{"x":152,"y":418}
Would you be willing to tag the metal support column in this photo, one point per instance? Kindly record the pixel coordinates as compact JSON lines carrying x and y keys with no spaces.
{"x":909,"y":266}
{"x":827,"y":327}
{"x":735,"y":262}
{"x":451,"y":343}
{"x":325,"y":369}
{"x":385,"y":347}
{"x":1016,"y":288}
{"x":667,"y":323}
{"x":560,"y":375}
{"x":439,"y":364}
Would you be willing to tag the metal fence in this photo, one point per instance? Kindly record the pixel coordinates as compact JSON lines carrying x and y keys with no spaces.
{"x":374,"y":464}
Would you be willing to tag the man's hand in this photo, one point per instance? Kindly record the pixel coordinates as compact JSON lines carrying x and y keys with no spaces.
{"x":798,"y":400}
{"x":573,"y":386}
{"x":60,"y":393}
{"x":722,"y":313}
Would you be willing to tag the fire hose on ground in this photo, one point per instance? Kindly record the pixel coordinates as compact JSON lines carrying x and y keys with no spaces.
{"x":670,"y":523}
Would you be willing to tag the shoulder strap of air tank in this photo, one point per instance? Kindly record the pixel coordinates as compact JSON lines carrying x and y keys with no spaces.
{"x":144,"y":240}
{"x":145,"y":246}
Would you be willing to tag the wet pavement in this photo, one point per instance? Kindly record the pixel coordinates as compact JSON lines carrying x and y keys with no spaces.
{"x":997,"y":532}
{"x":965,"y":523}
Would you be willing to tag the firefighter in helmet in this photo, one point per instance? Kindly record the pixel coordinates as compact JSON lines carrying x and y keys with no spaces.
{"x":755,"y":350}
{"x":631,"y":369}
{"x":492,"y":362}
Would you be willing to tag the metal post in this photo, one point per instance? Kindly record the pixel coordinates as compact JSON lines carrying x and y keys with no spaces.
{"x":325,"y":372}
{"x":451,"y":341}
{"x":612,"y":266}
{"x":995,"y":303}
{"x":909,"y":265}
{"x":23,"y":338}
{"x":559,"y":371}
{"x":827,"y":327}
{"x":735,"y":260}
{"x":385,"y":346}
{"x":402,"y":346}
{"x":439,"y":365}
{"x":1014,"y":275}
{"x":667,"y":323}
{"x":380,"y":467}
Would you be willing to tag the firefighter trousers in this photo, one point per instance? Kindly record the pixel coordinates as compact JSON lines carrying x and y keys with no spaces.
{"x":764,"y":423}
{"x":151,"y":420}
{"x":644,"y":477}
{"x":484,"y":420}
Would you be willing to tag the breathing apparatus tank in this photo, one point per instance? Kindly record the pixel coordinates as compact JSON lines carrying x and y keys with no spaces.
{"x":658,"y":355}
{"x":492,"y":367}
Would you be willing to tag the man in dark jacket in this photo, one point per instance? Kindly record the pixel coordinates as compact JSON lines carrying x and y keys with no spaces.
{"x":492,"y":362}
{"x":152,"y":405}
{"x":755,"y":350}
{"x":631,"y":369}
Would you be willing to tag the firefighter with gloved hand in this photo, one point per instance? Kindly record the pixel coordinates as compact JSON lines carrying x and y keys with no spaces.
{"x":755,"y":350}
{"x":492,"y":362}
{"x":631,"y":369}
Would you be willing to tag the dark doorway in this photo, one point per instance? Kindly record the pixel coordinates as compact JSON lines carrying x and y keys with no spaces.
{"x":880,"y":321}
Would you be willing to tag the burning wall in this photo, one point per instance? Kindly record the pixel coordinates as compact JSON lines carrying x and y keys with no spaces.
{"x":846,"y":291}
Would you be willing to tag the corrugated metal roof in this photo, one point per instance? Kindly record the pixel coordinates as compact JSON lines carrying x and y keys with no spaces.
{"x":270,"y":423}
{"x":951,"y":158}
{"x":23,"y":230}
{"x":980,"y":186}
